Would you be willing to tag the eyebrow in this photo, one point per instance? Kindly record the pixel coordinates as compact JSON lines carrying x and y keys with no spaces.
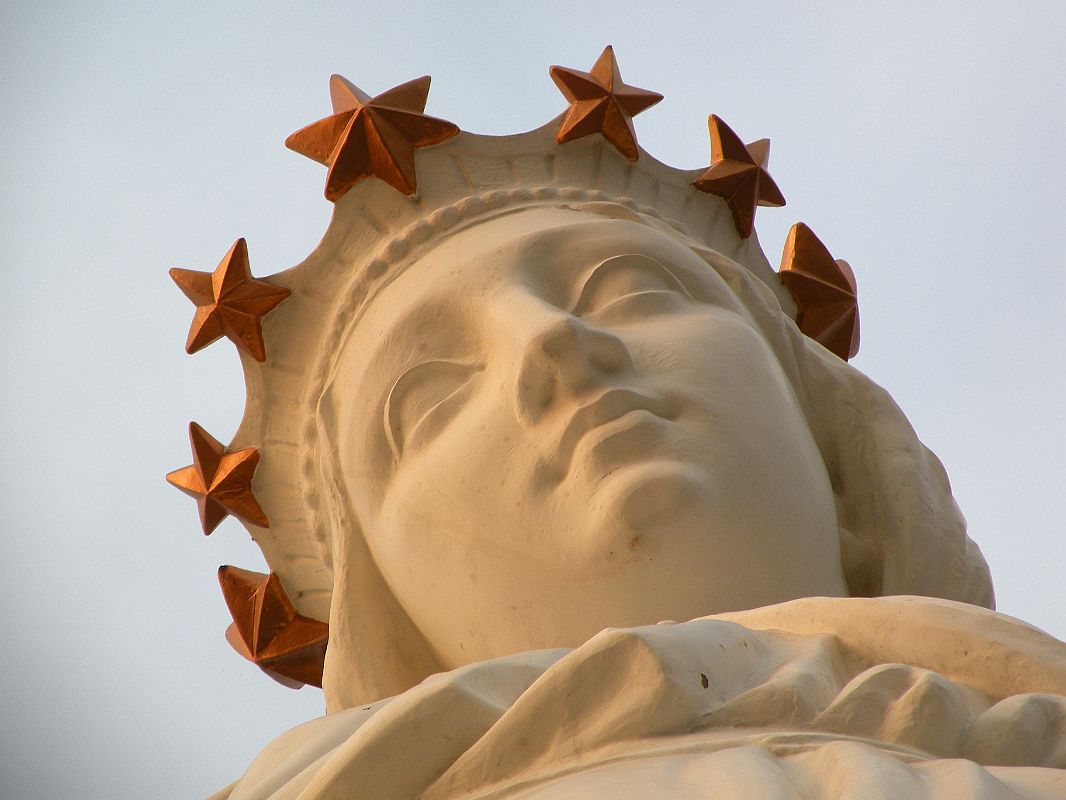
{"x":409,"y":331}
{"x":589,"y":284}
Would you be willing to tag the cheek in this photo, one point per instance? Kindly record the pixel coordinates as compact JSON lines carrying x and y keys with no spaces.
{"x":462,"y":479}
{"x":705,"y":353}
{"x":734,"y":395}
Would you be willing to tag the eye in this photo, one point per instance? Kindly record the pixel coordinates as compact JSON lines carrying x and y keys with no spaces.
{"x":423,"y":400}
{"x":630,"y":285}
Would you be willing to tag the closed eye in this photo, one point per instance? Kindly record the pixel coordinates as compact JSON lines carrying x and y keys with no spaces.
{"x":423,"y":400}
{"x":642,"y":283}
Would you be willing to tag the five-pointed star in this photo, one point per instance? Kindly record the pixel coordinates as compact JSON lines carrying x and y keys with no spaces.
{"x":601,"y":103}
{"x":229,"y":302}
{"x":738,"y":175}
{"x":266,"y":629}
{"x":371,"y":135}
{"x":824,"y":291}
{"x":220,"y":481}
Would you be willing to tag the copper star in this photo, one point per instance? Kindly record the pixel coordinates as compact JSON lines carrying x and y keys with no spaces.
{"x":824,"y":291}
{"x":738,"y":175}
{"x":371,"y":135}
{"x":601,"y":103}
{"x":229,"y":302}
{"x":220,"y":481}
{"x":266,"y":629}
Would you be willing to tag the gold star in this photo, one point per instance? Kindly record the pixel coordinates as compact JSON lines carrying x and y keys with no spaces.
{"x":738,"y":175}
{"x":220,"y":481}
{"x":266,"y":629}
{"x":601,"y":103}
{"x":371,"y":135}
{"x":229,"y":302}
{"x":824,"y":291}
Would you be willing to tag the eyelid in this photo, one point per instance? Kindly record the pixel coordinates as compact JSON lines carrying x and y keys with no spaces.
{"x":400,"y":386}
{"x":620,"y":262}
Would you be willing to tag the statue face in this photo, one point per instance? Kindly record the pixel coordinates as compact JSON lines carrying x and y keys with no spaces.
{"x":554,"y":422}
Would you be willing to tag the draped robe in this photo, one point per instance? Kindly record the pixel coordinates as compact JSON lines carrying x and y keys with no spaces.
{"x":894,"y":697}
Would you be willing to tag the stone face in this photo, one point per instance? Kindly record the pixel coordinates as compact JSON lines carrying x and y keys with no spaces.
{"x":580,"y":419}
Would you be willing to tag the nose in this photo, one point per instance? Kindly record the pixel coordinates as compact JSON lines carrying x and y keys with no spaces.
{"x":565,"y":356}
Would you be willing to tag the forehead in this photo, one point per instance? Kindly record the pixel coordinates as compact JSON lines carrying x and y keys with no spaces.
{"x":545,"y":250}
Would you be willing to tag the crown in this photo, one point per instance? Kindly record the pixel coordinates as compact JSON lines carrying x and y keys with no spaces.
{"x":401,"y":180}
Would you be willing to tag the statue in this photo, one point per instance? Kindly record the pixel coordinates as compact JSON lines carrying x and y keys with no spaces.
{"x":587,"y":493}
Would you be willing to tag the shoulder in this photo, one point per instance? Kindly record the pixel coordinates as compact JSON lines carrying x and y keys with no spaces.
{"x":816,"y":687}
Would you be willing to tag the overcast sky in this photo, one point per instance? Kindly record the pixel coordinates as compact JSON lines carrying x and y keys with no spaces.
{"x":924,"y":145}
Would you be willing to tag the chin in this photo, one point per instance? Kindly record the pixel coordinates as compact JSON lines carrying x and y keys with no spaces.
{"x":639,"y":503}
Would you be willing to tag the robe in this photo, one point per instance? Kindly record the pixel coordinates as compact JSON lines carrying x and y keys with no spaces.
{"x":894,"y":697}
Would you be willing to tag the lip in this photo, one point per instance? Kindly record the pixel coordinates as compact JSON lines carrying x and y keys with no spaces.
{"x":609,"y":406}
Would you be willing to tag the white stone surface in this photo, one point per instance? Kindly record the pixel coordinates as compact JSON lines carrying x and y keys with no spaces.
{"x":899,"y":697}
{"x":496,"y":421}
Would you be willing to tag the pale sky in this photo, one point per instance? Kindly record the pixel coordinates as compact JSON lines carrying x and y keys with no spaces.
{"x":922,"y":142}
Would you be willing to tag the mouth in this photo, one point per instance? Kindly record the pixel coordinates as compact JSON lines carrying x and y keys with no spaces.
{"x":603,"y":412}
